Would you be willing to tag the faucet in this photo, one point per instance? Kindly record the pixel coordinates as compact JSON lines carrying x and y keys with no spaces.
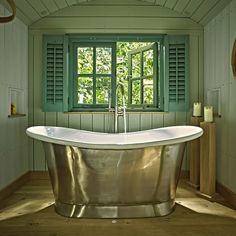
{"x":120,"y":111}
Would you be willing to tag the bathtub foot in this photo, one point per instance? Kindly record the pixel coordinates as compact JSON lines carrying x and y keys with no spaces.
{"x":121,"y":211}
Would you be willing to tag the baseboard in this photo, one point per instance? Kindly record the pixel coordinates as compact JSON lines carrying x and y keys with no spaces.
{"x":227,"y":194}
{"x":16,"y":184}
{"x":184,"y":174}
{"x":39,"y":175}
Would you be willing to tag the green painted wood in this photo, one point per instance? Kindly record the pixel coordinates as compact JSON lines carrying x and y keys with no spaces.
{"x":180,"y":118}
{"x":31,"y":97}
{"x":98,"y":122}
{"x":109,"y":122}
{"x":55,"y":73}
{"x":200,"y":68}
{"x":62,"y":119}
{"x":115,"y":23}
{"x":157,"y":120}
{"x":145,"y":121}
{"x":74,"y":121}
{"x":134,"y":122}
{"x":121,"y":11}
{"x":39,"y":116}
{"x":50,"y":118}
{"x":87,"y":121}
{"x":169,"y":119}
{"x":177,"y":73}
{"x":194,"y":70}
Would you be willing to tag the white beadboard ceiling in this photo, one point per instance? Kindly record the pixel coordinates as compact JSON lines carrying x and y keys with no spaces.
{"x":200,"y":11}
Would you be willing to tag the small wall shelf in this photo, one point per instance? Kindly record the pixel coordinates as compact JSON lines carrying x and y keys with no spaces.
{"x":16,"y":102}
{"x":16,"y":115}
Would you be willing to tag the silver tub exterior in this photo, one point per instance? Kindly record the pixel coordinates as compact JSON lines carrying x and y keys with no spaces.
{"x":131,"y":183}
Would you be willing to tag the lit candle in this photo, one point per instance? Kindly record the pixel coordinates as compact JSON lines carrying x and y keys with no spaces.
{"x":197,"y":109}
{"x":208,"y":114}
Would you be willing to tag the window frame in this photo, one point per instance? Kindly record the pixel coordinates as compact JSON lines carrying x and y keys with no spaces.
{"x":75,"y":40}
{"x":74,"y":75}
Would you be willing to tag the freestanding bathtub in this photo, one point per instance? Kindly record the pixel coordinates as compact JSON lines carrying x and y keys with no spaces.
{"x":125,"y":175}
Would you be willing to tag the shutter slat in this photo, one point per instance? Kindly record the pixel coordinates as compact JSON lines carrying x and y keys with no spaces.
{"x":176,"y":66}
{"x":54,"y":72}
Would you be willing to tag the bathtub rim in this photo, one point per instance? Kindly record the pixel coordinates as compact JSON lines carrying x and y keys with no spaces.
{"x":114,"y":146}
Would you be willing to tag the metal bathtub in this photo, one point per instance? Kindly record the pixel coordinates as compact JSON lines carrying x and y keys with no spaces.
{"x":114,"y":175}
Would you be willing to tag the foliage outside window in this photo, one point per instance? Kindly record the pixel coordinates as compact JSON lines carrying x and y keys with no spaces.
{"x":97,"y":66}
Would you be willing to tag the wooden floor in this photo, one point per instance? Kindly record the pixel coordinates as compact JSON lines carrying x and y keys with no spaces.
{"x":29,"y":211}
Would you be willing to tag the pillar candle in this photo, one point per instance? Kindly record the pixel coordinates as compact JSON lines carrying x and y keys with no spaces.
{"x":208,"y":114}
{"x":196,"y":109}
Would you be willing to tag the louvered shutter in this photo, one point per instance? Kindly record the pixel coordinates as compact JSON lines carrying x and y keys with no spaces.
{"x":55,"y":73}
{"x":176,"y":73}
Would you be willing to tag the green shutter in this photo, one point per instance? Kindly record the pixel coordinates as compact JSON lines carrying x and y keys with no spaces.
{"x":55,"y":96}
{"x":176,"y":73}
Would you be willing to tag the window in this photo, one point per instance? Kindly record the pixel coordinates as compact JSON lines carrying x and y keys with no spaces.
{"x":93,"y":74}
{"x":153,"y":69}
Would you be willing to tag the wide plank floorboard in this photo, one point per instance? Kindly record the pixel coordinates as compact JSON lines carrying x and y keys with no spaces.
{"x":30,"y":211}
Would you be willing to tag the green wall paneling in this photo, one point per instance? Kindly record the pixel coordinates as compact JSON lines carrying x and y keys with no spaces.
{"x":134,"y":122}
{"x":157,"y":120}
{"x":109,"y":122}
{"x":62,"y":119}
{"x":50,"y":118}
{"x":169,"y":119}
{"x":87,"y":121}
{"x":98,"y":122}
{"x":75,"y":121}
{"x":145,"y":121}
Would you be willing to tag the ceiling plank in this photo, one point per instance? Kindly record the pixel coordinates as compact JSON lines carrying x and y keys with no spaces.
{"x":50,"y":5}
{"x":192,"y":7}
{"x":39,"y":7}
{"x":160,"y":2}
{"x":214,"y":11}
{"x":170,"y":3}
{"x":71,"y":2}
{"x":61,"y":3}
{"x":204,"y":9}
{"x":181,"y":5}
{"x":27,"y":10}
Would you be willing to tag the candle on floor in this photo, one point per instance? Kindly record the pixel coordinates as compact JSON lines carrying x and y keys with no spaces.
{"x":208,"y":114}
{"x":197,"y":109}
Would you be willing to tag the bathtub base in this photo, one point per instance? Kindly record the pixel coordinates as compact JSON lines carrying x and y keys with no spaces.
{"x":121,"y":211}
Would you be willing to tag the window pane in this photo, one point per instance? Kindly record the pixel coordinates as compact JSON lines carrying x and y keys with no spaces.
{"x":136,"y":72}
{"x":135,"y":92}
{"x":85,"y":90}
{"x":148,"y":91}
{"x":103,"y":87}
{"x":85,"y":60}
{"x":103,"y":60}
{"x":148,"y":62}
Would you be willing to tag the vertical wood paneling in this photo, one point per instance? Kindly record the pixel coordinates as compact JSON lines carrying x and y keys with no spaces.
{"x":87,"y":121}
{"x":62,"y":119}
{"x":194,"y":69}
{"x":13,"y":73}
{"x":75,"y":121}
{"x":219,"y":34}
{"x":98,"y":122}
{"x":157,"y":120}
{"x":134,"y":122}
{"x":169,"y":119}
{"x":39,"y":116}
{"x":146,"y":121}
